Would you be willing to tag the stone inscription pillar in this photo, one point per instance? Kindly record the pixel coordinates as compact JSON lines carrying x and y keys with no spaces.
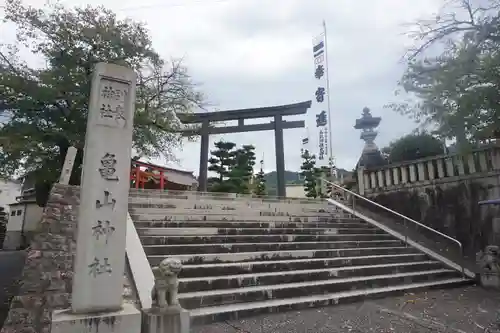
{"x":100,"y":250}
{"x":69,"y":161}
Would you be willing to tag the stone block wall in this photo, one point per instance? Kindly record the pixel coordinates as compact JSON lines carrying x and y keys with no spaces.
{"x":46,"y":280}
{"x":476,"y":164}
{"x":451,"y":208}
{"x":47,"y":275}
{"x":441,"y":192}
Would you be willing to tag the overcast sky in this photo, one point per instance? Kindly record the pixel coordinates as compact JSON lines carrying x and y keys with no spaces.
{"x":254,"y":53}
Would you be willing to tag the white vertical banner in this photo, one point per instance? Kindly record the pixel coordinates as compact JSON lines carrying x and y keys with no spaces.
{"x":320,"y":101}
{"x":305,"y":142}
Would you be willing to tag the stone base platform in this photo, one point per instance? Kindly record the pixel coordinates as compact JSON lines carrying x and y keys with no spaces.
{"x":170,"y":319}
{"x":127,"y":320}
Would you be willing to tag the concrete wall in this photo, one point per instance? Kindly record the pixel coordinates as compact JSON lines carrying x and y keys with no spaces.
{"x":14,"y":225}
{"x":443,"y":193}
{"x":24,"y":218}
{"x":295,"y":191}
{"x":8,"y":192}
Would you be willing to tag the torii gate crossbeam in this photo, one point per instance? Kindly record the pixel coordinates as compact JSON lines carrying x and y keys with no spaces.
{"x":278,"y":125}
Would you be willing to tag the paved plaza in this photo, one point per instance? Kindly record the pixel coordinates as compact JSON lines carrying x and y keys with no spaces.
{"x":460,"y":310}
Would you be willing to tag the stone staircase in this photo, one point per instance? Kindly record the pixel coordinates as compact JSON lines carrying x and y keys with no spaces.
{"x":245,"y":256}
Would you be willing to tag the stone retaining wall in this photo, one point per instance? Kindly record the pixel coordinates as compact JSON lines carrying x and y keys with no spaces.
{"x":47,"y":275}
{"x":450,"y":208}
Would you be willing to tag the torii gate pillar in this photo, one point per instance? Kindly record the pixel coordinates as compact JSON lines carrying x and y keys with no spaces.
{"x":278,"y":125}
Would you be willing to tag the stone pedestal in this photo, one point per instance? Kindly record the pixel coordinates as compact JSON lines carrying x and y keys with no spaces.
{"x":127,"y":320}
{"x":166,"y":320}
{"x":489,"y":268}
{"x":490,"y":280}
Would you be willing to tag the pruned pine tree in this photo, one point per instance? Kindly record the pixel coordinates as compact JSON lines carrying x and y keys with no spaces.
{"x":222,"y":162}
{"x":309,"y":173}
{"x":260,"y":182}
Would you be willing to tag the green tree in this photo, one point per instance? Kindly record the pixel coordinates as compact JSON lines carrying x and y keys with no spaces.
{"x":222,"y":162}
{"x":320,"y":173}
{"x":326,"y":173}
{"x":456,"y":92}
{"x":241,"y":171}
{"x":413,"y":146}
{"x":309,"y":173}
{"x":260,"y":182}
{"x":44,"y":110}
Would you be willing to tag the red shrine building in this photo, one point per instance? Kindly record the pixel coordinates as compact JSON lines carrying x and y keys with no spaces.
{"x":150,"y":176}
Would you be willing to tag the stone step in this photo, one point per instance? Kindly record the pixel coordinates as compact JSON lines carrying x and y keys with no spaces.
{"x":234,"y":311}
{"x":173,"y":250}
{"x":232,"y":207}
{"x":233,"y":268}
{"x":222,"y":216}
{"x":227,"y":217}
{"x":191,"y":285}
{"x":253,"y":231}
{"x":207,"y":298}
{"x":215,"y":239}
{"x":245,"y":224}
{"x":228,"y":206}
{"x":235,"y":218}
{"x":240,"y":211}
{"x":212,"y":258}
{"x":197,"y":196}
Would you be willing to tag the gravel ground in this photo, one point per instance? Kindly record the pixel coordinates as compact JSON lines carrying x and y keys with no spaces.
{"x":460,"y":310}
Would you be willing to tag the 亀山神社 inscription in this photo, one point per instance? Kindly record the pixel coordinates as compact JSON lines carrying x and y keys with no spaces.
{"x":100,"y":253}
{"x":108,"y":201}
{"x":103,"y":229}
{"x":108,"y":167}
{"x":98,"y":267}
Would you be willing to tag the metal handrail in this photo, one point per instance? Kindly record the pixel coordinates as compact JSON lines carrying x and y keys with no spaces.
{"x":405,"y":218}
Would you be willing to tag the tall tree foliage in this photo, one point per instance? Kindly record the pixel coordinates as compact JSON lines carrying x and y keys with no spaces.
{"x":260,"y":181}
{"x":44,"y":110}
{"x":234,"y":167}
{"x":242,"y":171}
{"x":322,"y":173}
{"x":412,"y":147}
{"x":221,"y":162}
{"x":309,"y":173}
{"x":326,"y":172}
{"x":457,"y":91}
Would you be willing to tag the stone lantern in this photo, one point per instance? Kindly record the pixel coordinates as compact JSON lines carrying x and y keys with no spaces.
{"x":371,"y":155}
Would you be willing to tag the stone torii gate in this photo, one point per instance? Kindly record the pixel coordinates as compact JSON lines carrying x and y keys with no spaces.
{"x":277,"y":124}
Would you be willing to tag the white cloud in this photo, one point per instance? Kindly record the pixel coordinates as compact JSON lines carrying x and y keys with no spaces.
{"x":250,"y":53}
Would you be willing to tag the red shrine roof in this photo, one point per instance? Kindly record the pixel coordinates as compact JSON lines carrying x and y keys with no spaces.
{"x":160,"y":168}
{"x":170,"y":174}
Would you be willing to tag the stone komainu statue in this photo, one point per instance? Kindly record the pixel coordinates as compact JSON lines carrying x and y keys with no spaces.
{"x":488,"y":260}
{"x":166,"y":285}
